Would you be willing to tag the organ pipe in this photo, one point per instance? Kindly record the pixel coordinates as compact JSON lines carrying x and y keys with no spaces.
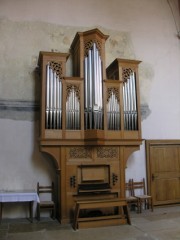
{"x":93,"y":89}
{"x":72,"y":110}
{"x":130,"y":103}
{"x":113,"y":112}
{"x":53,"y":99}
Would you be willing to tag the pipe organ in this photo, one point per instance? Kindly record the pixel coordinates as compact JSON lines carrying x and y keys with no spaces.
{"x":90,"y":122}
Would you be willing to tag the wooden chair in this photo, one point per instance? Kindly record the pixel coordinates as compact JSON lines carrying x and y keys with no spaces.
{"x":139,"y":191}
{"x":132,"y":201}
{"x":47,"y":200}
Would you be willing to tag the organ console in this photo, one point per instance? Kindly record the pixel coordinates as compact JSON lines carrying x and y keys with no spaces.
{"x":90,"y":122}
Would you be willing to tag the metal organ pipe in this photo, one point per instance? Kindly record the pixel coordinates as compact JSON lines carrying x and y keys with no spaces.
{"x":125,"y":105}
{"x":47,"y":97}
{"x":53,"y":99}
{"x":72,"y":110}
{"x":113,"y":111}
{"x":57,"y":105}
{"x":134,"y":101}
{"x":89,"y":93}
{"x":93,"y":89}
{"x":130,"y":103}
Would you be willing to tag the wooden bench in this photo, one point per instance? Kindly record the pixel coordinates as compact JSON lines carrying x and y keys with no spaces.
{"x":120,"y":217}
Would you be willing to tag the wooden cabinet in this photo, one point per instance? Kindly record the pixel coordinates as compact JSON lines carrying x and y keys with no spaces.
{"x":90,"y":122}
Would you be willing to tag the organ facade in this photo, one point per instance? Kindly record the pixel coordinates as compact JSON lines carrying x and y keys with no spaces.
{"x":90,"y":122}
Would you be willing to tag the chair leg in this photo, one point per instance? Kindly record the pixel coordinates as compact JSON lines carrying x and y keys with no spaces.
{"x":38,"y":213}
{"x":53,"y":214}
{"x":151,"y":204}
{"x":146,"y":204}
{"x":1,"y":207}
{"x":140,"y":206}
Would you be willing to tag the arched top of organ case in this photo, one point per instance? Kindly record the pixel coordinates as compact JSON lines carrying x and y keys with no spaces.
{"x":81,"y":44}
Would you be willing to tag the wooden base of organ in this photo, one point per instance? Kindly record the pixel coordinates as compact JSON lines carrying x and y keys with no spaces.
{"x":90,"y":138}
{"x":71,"y":159}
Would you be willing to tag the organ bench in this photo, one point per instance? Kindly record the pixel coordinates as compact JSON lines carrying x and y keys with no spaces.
{"x":118,"y":217}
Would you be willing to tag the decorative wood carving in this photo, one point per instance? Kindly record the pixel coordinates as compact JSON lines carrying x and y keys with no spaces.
{"x":107,"y":152}
{"x":89,"y":44}
{"x":57,"y":68}
{"x":113,"y":90}
{"x":126,"y":74}
{"x":80,"y":152}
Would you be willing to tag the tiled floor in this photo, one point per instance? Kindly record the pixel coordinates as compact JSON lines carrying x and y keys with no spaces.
{"x":162,"y":224}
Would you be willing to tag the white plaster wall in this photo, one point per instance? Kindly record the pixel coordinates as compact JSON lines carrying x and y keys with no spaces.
{"x":141,"y":29}
{"x":22,"y":165}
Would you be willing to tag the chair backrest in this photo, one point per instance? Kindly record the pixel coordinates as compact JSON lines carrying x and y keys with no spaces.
{"x":129,"y":190}
{"x":140,"y":186}
{"x":46,"y":190}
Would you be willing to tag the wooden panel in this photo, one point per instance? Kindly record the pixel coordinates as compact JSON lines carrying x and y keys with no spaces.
{"x":98,"y":173}
{"x":164,"y":171}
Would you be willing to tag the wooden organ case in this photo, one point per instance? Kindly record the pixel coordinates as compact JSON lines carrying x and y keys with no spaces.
{"x":90,"y":123}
